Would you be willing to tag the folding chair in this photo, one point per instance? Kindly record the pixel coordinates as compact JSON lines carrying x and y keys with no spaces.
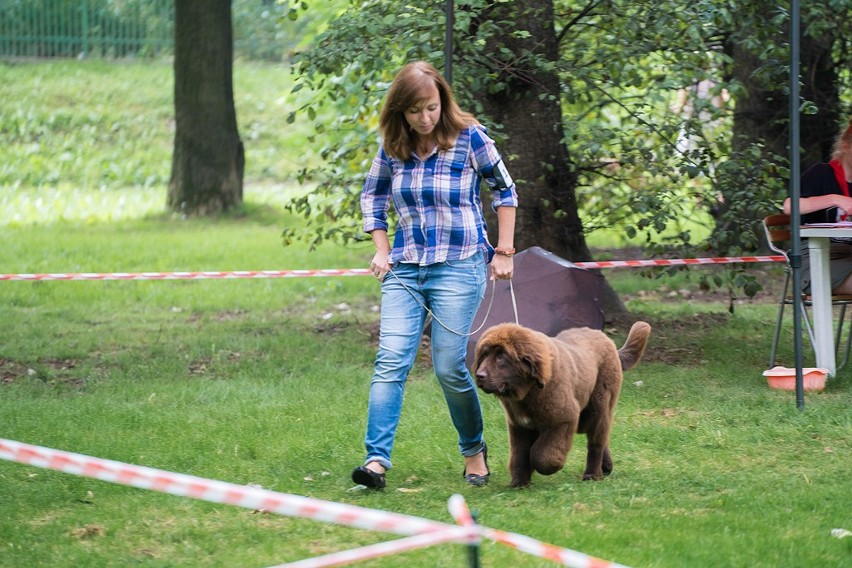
{"x":778,"y":237}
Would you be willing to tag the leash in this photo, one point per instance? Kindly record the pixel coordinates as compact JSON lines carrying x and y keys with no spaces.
{"x":487,"y":312}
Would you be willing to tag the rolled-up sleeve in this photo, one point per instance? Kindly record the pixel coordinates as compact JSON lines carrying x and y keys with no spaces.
{"x":375,"y":196}
{"x":492,"y":169}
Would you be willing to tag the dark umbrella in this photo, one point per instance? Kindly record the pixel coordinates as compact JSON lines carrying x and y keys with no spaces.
{"x":551,"y":294}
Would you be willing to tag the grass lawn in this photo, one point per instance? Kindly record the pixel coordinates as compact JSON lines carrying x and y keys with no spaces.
{"x":265,"y":382}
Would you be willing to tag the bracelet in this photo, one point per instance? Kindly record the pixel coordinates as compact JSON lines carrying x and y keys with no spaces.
{"x":505,"y":252}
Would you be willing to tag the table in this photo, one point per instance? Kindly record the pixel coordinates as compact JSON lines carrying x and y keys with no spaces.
{"x":818,"y":245}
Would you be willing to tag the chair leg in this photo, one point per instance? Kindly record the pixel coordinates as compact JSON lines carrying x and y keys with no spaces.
{"x":848,"y":348}
{"x":839,"y":328}
{"x":778,"y":321}
{"x":808,"y":326}
{"x":848,"y":338}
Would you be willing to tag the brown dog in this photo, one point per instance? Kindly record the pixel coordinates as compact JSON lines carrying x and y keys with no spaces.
{"x":552,"y":387}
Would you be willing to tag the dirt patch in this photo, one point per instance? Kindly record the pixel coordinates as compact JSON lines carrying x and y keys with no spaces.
{"x":60,"y":364}
{"x":11,"y":371}
{"x":677,"y":335}
{"x":50,"y":370}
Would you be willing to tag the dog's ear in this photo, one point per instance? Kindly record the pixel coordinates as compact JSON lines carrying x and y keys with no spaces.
{"x":538,"y":360}
{"x":533,"y":369}
{"x":526,"y":364}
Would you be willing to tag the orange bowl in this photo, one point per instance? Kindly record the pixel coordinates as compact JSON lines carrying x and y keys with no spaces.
{"x":784,"y":378}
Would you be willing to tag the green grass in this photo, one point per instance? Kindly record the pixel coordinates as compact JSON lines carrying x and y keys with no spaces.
{"x":265,"y":382}
{"x":92,"y":140}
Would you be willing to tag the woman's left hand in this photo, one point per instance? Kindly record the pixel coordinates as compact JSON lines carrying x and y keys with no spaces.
{"x":502,"y":267}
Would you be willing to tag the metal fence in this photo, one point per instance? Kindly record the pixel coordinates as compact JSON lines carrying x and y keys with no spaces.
{"x":70,"y":28}
{"x":125,"y":28}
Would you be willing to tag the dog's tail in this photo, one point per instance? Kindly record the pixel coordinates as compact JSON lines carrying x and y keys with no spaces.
{"x":634,"y":347}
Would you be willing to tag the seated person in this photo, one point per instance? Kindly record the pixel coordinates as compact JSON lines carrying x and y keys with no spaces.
{"x":824,"y":198}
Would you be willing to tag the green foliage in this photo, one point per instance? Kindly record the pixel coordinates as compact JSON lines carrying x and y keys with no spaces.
{"x":648,"y":105}
{"x":269,"y":30}
{"x":346,"y":72}
{"x":640,"y":116}
{"x":620,"y":75}
{"x":749,"y":179}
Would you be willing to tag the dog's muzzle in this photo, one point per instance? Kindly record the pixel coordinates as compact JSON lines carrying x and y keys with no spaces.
{"x":489,"y":388}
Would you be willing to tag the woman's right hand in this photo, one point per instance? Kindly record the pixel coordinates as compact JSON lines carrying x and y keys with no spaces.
{"x":380,"y":266}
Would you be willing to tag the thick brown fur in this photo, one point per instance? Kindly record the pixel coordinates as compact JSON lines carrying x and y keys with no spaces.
{"x":554,"y":387}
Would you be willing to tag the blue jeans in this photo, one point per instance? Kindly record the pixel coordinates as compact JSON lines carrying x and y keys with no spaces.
{"x":452,"y":290}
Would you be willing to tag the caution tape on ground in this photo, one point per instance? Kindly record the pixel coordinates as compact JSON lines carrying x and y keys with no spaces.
{"x":246,"y":496}
{"x":419,"y":532}
{"x":450,"y":534}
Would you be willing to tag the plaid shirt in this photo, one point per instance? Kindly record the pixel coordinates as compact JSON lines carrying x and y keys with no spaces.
{"x":437,"y":199}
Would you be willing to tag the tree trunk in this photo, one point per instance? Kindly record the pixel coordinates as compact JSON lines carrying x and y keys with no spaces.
{"x":208,"y":160}
{"x":763,"y":111}
{"x":529,"y":110}
{"x":820,"y":85}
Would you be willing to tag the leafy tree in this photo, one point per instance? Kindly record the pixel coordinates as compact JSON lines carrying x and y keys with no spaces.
{"x":550,"y":81}
{"x":759,"y":69}
{"x":612,"y":113}
{"x":753,"y":178}
{"x":606,"y":92}
{"x":208,"y":160}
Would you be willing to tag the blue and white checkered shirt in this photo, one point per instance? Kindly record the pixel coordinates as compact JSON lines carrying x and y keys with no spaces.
{"x":438,"y":199}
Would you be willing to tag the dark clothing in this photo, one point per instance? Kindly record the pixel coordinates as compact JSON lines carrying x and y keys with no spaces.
{"x":819,"y":179}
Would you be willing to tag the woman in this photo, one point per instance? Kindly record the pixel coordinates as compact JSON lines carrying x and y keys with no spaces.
{"x":430,"y":164}
{"x":825,"y":190}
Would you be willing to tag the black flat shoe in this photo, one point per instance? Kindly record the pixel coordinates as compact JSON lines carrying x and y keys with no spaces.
{"x":478,"y":480}
{"x":368,"y":478}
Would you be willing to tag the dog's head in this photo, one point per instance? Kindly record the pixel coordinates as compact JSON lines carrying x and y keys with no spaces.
{"x":510,"y":360}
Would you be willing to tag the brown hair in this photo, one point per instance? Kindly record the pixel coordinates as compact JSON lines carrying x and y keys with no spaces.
{"x":406,"y":91}
{"x":845,"y":137}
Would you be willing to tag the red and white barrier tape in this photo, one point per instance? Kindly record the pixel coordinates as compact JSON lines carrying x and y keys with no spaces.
{"x":422,"y":532}
{"x":207,"y":275}
{"x":679,"y":261}
{"x":450,"y":534}
{"x":258,"y":274}
{"x":460,"y":512}
{"x":458,"y":509}
{"x":533,"y":547}
{"x":216,"y":491}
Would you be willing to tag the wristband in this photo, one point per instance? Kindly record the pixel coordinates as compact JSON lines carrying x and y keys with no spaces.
{"x":505,"y":252}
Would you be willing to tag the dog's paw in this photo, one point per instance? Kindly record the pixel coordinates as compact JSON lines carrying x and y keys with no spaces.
{"x":521,"y":477}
